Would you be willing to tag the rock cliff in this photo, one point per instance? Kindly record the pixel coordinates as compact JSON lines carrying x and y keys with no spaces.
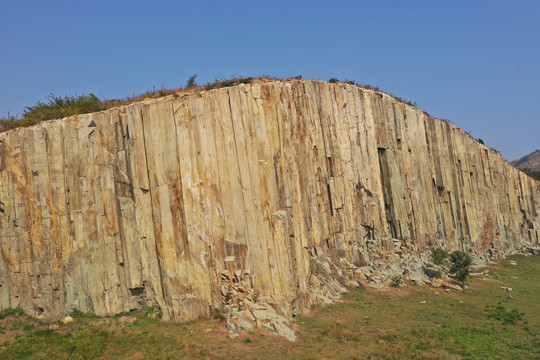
{"x":276,"y":193}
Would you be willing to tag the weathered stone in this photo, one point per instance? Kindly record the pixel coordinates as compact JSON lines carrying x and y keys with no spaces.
{"x":191,"y":203}
{"x":263,"y":314}
{"x":448,"y":285}
{"x":66,"y":320}
{"x":282,"y":329}
{"x":245,"y":314}
{"x":535,"y":250}
{"x":242,"y":324}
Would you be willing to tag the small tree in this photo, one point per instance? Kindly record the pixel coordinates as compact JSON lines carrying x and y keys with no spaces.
{"x":8,"y":122}
{"x":191,"y":82}
{"x":439,"y":257}
{"x":460,"y":263}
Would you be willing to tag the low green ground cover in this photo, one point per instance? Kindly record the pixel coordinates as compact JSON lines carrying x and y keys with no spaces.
{"x":411,"y":322}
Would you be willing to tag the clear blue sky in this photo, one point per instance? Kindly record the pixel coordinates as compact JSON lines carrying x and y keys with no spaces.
{"x":475,"y":63}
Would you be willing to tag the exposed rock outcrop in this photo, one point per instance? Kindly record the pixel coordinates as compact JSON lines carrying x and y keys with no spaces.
{"x":263,"y":198}
{"x":529,"y":162}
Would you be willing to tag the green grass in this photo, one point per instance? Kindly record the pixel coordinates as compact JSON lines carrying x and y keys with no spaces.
{"x":13,"y":312}
{"x":77,"y":314}
{"x":481,"y":323}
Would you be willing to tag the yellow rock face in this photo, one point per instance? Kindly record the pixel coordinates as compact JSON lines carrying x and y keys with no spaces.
{"x":151,"y":204}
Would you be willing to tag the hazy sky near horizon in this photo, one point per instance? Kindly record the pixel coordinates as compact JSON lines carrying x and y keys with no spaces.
{"x":475,"y":63}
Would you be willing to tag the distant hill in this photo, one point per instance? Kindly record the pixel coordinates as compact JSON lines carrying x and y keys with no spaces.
{"x":529,"y":164}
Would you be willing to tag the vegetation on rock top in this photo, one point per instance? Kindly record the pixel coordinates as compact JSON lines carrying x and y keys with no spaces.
{"x":59,"y":107}
{"x":56,"y":108}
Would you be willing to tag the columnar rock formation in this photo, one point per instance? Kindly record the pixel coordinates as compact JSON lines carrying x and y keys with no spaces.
{"x":171,"y":202}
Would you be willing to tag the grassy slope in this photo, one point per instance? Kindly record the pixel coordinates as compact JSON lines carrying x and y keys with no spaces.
{"x":482,"y":323}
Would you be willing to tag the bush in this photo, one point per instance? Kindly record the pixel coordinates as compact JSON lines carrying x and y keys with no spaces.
{"x":506,"y":316}
{"x":219,"y":315}
{"x":153,"y":313}
{"x":8,"y":122}
{"x":122,"y":314}
{"x":222,"y":82}
{"x":346,"y":81}
{"x":438,"y":256}
{"x":376,"y":88}
{"x":460,"y":263}
{"x":16,"y":312}
{"x":57,"y":107}
{"x":191,"y":82}
{"x":78,"y":314}
{"x":397,"y":281}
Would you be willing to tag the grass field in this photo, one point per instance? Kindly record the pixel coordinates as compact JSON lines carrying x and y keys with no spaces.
{"x":412,"y":322}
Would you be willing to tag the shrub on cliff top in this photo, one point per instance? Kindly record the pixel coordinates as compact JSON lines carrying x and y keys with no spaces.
{"x":222,"y":82}
{"x":57,"y":107}
{"x":191,"y":82}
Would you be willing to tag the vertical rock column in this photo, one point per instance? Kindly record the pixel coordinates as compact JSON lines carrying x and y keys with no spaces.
{"x":262,"y":192}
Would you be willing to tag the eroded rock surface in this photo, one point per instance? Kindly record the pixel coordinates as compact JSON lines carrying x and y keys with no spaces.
{"x":260,"y":200}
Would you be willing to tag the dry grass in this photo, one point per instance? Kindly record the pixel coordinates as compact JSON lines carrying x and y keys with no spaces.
{"x":11,"y":122}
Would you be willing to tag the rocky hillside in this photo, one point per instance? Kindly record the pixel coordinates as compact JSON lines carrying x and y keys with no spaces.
{"x":258,"y":200}
{"x":529,"y":164}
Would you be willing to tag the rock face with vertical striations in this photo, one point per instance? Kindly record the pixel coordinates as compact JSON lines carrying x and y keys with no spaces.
{"x":266,"y":197}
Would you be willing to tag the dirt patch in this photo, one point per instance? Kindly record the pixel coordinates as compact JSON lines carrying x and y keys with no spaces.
{"x":102,"y":321}
{"x":488,"y":279}
{"x":7,"y":335}
{"x":12,"y":326}
{"x":406,"y":290}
